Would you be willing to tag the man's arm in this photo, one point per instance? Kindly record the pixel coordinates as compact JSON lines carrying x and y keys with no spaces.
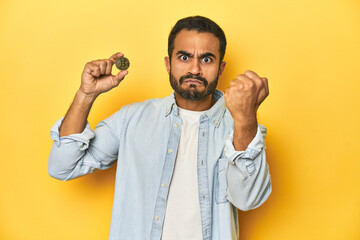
{"x":96,"y":79}
{"x":248,"y":177}
{"x":242,"y":99}
{"x":76,"y":151}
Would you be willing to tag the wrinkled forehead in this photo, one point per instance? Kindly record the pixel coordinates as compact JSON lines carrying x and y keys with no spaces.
{"x":195,"y":42}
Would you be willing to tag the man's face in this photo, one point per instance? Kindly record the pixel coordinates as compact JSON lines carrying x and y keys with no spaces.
{"x":195,"y":64}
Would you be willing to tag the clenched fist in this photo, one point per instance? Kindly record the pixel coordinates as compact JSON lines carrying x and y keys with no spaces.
{"x":97,"y":78}
{"x":245,"y":94}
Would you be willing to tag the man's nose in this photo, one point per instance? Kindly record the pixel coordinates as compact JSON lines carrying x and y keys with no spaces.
{"x":195,"y":67}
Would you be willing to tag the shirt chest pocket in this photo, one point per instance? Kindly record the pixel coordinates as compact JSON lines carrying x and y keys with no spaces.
{"x":220,"y":181}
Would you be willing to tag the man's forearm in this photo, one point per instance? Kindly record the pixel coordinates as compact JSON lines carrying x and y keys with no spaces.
{"x":76,"y":117}
{"x":244,"y":132}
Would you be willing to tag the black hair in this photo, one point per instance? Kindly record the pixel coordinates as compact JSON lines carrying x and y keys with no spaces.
{"x":200,"y":24}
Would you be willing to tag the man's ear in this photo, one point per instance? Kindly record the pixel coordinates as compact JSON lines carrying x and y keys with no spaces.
{"x":222,"y":67}
{"x":167,"y":64}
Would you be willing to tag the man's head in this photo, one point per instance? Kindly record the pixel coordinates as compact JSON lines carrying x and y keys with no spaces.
{"x":201,"y":25}
{"x":196,"y":50}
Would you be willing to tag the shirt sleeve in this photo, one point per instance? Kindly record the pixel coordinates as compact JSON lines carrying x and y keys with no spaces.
{"x":83,"y":153}
{"x":248,"y":176}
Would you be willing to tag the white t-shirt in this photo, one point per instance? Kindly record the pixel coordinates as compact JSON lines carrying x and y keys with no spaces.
{"x":182,"y":217}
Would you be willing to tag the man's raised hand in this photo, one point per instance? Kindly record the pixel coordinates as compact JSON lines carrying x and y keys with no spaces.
{"x":245,"y":94}
{"x":97,"y":78}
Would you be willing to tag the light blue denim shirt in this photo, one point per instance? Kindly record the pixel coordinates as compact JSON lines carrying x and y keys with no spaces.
{"x":143,"y":138}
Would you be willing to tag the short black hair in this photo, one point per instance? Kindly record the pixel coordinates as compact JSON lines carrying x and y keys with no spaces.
{"x":200,"y":24}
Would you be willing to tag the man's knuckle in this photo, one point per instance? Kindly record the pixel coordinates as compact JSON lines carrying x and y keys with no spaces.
{"x":261,"y":84}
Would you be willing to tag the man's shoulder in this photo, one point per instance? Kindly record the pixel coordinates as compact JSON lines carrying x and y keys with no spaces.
{"x":145,"y":110}
{"x":151,"y":106}
{"x":149,"y":103}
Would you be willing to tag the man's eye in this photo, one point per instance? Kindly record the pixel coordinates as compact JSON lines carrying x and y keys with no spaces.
{"x":184,"y":57}
{"x":207,"y":59}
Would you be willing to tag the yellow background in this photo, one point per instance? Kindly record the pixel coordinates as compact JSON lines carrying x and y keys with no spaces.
{"x":309,"y":51}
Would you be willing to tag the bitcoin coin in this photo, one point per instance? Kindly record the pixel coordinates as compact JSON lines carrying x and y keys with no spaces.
{"x":122,"y":63}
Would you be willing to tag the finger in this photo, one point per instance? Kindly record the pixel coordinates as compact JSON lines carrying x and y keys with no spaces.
{"x":234,"y":82}
{"x":108,"y":67}
{"x":266,"y":84}
{"x":262,"y":95}
{"x":114,"y":57}
{"x":243,"y":78}
{"x":120,"y":76}
{"x":93,"y":69}
{"x":247,"y":82}
{"x":102,"y":64}
{"x":227,"y":92}
{"x":237,"y":84}
{"x":264,"y":92}
{"x":251,"y":74}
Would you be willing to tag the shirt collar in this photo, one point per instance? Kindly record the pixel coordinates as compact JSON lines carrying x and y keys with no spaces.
{"x":215,"y":113}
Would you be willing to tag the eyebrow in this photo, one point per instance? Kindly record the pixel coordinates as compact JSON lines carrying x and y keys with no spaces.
{"x":207,"y":54}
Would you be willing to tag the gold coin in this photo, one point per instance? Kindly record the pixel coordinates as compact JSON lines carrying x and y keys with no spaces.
{"x":122,"y":63}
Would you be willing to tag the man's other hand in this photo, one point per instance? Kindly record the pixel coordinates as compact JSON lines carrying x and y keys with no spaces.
{"x":245,"y":94}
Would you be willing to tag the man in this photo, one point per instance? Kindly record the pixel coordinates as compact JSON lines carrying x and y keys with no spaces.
{"x":185,"y":162}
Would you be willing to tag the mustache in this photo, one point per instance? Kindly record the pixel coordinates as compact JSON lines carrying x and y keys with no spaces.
{"x":193,"y":76}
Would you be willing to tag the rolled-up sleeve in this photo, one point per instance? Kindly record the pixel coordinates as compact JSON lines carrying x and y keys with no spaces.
{"x":248,"y":176}
{"x":83,"y":153}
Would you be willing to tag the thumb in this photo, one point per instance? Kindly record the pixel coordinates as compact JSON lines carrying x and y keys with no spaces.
{"x":120,"y":76}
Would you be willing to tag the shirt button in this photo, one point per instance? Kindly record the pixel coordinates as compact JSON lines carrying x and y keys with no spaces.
{"x":215,"y":122}
{"x":170,"y":150}
{"x":163,"y":185}
{"x":176,"y":125}
{"x":156,"y":218}
{"x":173,"y":106}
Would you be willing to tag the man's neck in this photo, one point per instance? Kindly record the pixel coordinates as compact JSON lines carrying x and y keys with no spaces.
{"x":199,"y":105}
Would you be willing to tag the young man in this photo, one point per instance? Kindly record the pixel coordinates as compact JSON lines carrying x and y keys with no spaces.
{"x":185,"y":162}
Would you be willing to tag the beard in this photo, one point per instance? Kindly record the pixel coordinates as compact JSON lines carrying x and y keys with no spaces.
{"x":192,"y":93}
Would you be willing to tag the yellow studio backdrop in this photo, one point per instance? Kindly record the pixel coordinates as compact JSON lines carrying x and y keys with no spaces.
{"x":309,"y":51}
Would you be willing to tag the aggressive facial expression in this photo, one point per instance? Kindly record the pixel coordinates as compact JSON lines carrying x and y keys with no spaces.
{"x":195,"y":64}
